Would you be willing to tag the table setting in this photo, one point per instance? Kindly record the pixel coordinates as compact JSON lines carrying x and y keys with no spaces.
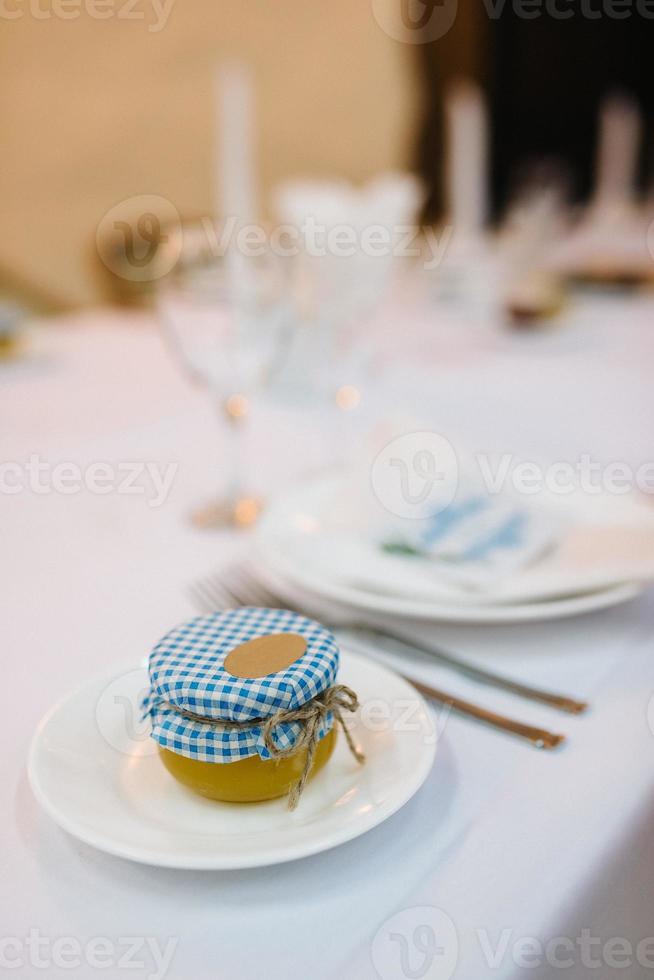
{"x":595,"y":661}
{"x":330,"y":592}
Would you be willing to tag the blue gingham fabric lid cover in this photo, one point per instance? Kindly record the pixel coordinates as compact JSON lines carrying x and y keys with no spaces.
{"x":187,"y":670}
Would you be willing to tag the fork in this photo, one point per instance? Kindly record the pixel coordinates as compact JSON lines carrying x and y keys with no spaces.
{"x":212,"y":593}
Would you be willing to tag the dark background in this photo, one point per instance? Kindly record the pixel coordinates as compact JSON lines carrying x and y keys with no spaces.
{"x":544,"y":79}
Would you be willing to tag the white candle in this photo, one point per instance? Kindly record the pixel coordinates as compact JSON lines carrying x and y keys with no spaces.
{"x":617,"y":152}
{"x":235,"y":183}
{"x":466,"y":169}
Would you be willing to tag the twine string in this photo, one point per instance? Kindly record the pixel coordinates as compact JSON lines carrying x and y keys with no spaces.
{"x":311,"y":717}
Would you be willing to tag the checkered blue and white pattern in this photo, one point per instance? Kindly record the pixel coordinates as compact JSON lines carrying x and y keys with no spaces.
{"x":187,"y":670}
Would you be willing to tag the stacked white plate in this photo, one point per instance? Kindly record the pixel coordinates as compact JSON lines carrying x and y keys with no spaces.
{"x":309,"y":543}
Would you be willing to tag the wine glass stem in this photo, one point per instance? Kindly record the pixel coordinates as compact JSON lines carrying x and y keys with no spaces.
{"x":234,"y":411}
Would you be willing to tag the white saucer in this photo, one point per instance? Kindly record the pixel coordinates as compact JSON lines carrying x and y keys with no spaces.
{"x":96,"y":772}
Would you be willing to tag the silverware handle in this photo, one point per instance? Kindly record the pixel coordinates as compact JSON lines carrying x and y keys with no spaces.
{"x":482,"y":675}
{"x":539,"y":737}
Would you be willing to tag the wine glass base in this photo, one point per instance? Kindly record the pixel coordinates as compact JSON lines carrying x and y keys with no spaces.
{"x":239,"y":514}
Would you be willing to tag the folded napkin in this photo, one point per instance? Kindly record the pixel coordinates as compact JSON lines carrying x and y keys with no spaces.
{"x":476,"y":540}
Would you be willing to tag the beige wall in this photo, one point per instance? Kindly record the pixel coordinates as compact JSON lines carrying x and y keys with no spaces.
{"x":94,"y":111}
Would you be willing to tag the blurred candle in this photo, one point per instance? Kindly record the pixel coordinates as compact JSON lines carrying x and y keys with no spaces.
{"x":235,"y":182}
{"x":466,"y":159}
{"x":617,"y":152}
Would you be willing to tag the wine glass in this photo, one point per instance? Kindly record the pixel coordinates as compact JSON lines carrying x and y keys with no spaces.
{"x":226,"y":316}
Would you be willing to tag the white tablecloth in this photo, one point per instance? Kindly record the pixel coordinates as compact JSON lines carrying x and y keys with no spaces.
{"x":509,"y":843}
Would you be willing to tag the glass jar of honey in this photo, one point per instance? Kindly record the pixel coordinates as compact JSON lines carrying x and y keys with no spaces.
{"x":243,"y":703}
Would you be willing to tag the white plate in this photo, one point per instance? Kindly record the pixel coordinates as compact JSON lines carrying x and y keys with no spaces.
{"x":286,"y":580}
{"x":302,"y":511}
{"x":100,"y":778}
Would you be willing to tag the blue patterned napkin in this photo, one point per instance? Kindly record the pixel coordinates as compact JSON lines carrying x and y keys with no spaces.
{"x":477,"y":539}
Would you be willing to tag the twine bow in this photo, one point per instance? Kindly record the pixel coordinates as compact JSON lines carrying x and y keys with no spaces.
{"x":311,"y":716}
